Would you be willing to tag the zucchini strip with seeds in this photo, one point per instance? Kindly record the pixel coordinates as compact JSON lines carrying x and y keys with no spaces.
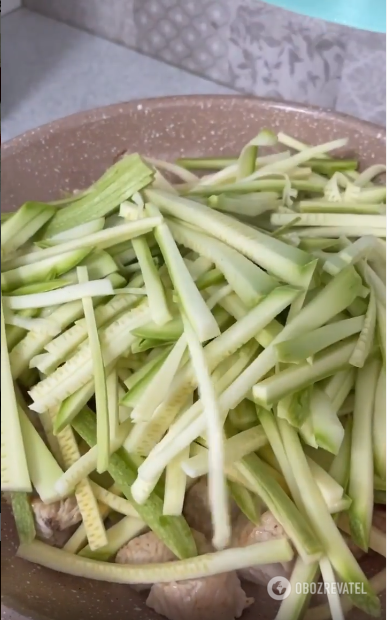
{"x":173,"y":531}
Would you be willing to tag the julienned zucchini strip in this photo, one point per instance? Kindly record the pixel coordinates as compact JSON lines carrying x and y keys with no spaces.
{"x":285,"y":262}
{"x":174,"y":531}
{"x":121,"y":181}
{"x":14,"y":469}
{"x":278,"y":550}
{"x":100,"y":389}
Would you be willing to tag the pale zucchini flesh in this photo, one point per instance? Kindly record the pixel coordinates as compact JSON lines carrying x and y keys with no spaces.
{"x":14,"y":468}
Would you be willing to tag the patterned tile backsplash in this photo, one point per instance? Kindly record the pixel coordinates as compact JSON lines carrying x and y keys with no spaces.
{"x":246,"y":44}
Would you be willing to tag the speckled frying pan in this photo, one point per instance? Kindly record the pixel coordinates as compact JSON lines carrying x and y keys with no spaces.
{"x":70,"y":154}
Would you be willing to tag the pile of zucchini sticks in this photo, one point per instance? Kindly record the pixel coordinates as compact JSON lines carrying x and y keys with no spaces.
{"x":166,"y":324}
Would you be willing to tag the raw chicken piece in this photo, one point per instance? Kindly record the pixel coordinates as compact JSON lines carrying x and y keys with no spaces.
{"x":203,"y":599}
{"x":149,"y":549}
{"x":246,"y":533}
{"x":54,"y":522}
{"x":144,"y":549}
{"x":197,"y":509}
{"x":219,"y":596}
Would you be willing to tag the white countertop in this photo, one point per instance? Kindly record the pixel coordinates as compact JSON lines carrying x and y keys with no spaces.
{"x":51,"y":70}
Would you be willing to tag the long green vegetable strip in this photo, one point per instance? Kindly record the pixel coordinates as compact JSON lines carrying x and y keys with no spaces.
{"x":362,"y":467}
{"x":313,"y":504}
{"x":119,"y":183}
{"x":24,"y":519}
{"x":278,"y":550}
{"x":100,"y":388}
{"x":14,"y":469}
{"x":86,"y":501}
{"x":174,"y":531}
{"x":47,"y":269}
{"x":23,"y":225}
{"x":229,"y":326}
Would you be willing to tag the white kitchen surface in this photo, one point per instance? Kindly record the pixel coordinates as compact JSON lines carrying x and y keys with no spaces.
{"x":9,"y":5}
{"x":51,"y":70}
